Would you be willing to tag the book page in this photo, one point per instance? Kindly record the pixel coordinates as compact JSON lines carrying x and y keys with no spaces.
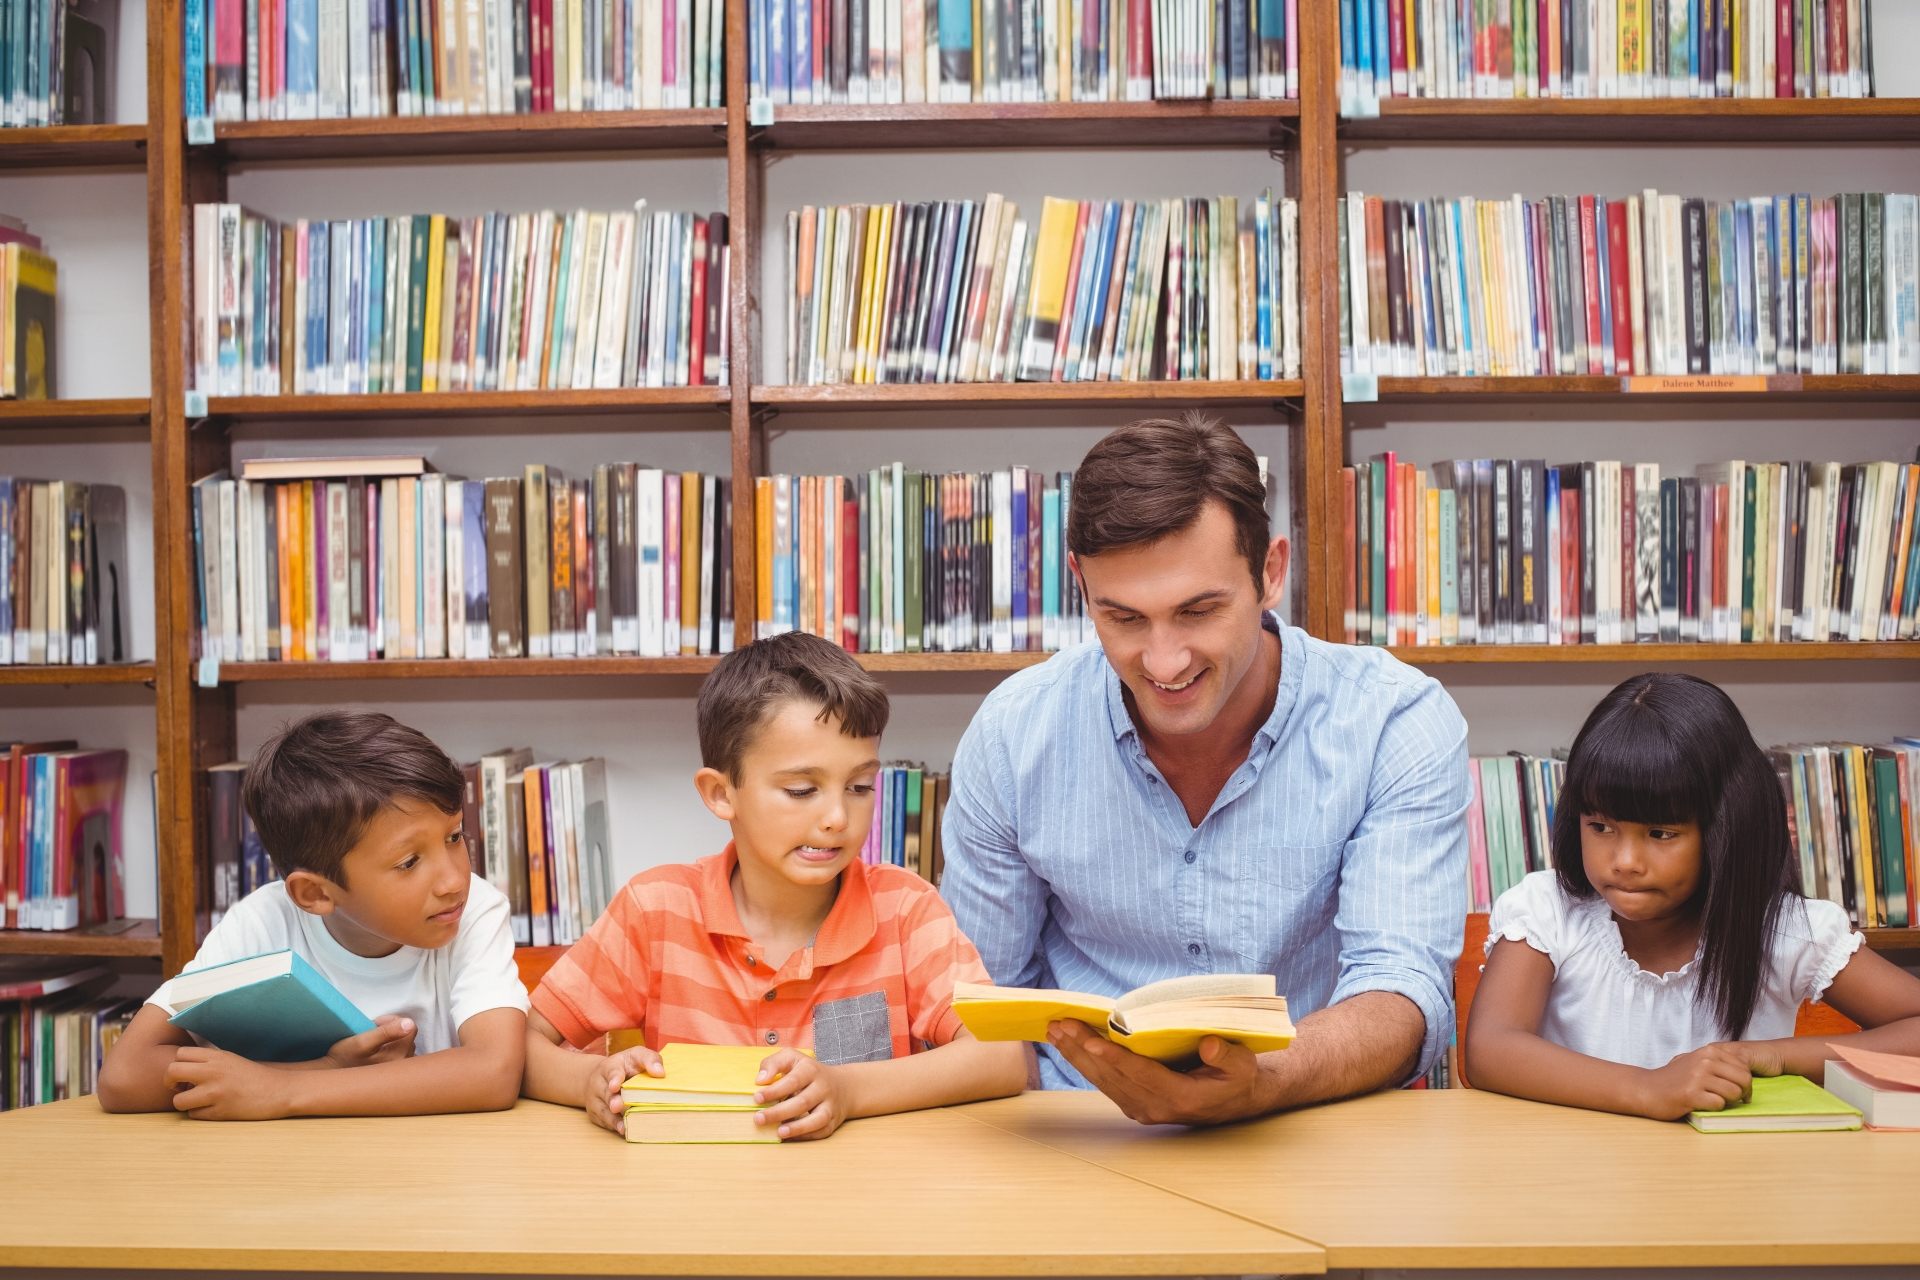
{"x":1197,"y":986}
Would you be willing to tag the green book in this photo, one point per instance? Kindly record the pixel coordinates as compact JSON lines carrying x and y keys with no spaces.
{"x":1493,"y":800}
{"x":1851,"y":302}
{"x":915,"y":842}
{"x":416,"y":298}
{"x":1873,"y":293}
{"x":911,"y":539}
{"x":1889,"y":834}
{"x":1780,"y":1104}
{"x":1746,"y":563}
{"x":1378,"y":571}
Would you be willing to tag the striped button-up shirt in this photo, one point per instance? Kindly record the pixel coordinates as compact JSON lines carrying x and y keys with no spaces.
{"x":1334,"y":858}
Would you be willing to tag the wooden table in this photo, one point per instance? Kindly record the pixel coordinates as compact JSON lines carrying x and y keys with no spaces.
{"x":538,"y":1191}
{"x":1463,"y":1178}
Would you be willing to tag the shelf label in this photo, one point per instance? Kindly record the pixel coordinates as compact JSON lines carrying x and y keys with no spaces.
{"x":199,"y":131}
{"x":1359,"y":388}
{"x":760,"y":112}
{"x":196,"y":404}
{"x":1709,"y":382}
{"x":208,"y":674}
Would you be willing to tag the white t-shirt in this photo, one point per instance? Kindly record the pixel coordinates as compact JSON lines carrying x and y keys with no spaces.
{"x":1606,"y":1006}
{"x":439,"y":989}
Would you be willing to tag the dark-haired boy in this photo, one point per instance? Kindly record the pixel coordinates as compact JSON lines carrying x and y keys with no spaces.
{"x":786,"y":939}
{"x":361,"y":816}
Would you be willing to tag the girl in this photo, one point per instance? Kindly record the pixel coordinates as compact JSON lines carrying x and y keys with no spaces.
{"x":1659,"y":966}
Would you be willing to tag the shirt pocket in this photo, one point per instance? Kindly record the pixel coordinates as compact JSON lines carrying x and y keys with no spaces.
{"x":1285,"y":894}
{"x":856,"y":1029}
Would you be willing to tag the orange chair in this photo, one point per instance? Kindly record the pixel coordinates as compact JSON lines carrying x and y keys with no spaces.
{"x":1814,"y":1019}
{"x":533,"y":963}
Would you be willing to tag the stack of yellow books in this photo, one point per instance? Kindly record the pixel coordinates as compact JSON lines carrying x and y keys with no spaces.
{"x":706,"y":1096}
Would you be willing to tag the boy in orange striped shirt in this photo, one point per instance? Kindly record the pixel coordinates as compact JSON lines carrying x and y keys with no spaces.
{"x":784,"y":939}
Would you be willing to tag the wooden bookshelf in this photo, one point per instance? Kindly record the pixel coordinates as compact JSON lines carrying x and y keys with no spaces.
{"x":467,"y":404}
{"x":464,"y":669}
{"x":1641,"y":120}
{"x":1009,"y":395}
{"x":143,"y":939}
{"x":1893,"y":939}
{"x":1664,"y":654}
{"x":22,"y":415}
{"x":572,"y":132}
{"x":1809,"y":388}
{"x":921,"y":126}
{"x":117,"y":673}
{"x":75,"y":146}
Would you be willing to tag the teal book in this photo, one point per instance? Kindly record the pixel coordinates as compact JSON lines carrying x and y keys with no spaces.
{"x":269,"y":1008}
{"x":1377,"y":475}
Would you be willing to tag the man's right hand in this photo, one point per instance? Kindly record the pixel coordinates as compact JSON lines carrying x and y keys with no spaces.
{"x":390,"y":1040}
{"x":1225,"y":1086}
{"x":602,"y":1099}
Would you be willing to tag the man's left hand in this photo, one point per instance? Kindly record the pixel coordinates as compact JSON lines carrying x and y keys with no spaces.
{"x":1225,"y":1086}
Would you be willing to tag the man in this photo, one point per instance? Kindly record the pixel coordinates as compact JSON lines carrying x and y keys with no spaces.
{"x":1210,"y":792}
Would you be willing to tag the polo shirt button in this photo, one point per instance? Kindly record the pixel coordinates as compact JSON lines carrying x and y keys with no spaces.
{"x":1191,"y":855}
{"x":1193,"y":948}
{"x":770,"y":995}
{"x":773,"y":1037}
{"x":751,"y":962}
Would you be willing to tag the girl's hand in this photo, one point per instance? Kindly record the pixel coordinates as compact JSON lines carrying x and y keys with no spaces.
{"x":809,"y":1101}
{"x":1708,"y":1079}
{"x":603,"y":1103}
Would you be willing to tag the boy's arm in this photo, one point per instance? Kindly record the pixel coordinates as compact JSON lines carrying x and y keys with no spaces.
{"x":134,"y":1076}
{"x":812,"y":1100}
{"x":481,"y":1074}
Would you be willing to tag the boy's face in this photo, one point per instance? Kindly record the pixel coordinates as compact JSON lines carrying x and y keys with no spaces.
{"x":804,"y":802}
{"x":406,"y":882}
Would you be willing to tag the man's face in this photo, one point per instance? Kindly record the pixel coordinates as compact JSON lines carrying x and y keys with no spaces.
{"x":1180,"y":618}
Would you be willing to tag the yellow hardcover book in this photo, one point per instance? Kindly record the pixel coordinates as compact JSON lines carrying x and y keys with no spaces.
{"x":762,"y":553}
{"x":1866,"y":870}
{"x":1046,"y":301}
{"x":689,"y":562}
{"x":1433,"y":565}
{"x":700,"y":1075}
{"x":31,"y":285}
{"x":1163,"y":1020}
{"x":430,"y":330}
{"x":872,"y":297}
{"x":679,"y":1125}
{"x":9,"y":273}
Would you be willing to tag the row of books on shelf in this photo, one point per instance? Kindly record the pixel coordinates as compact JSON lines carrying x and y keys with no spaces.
{"x":897,"y":561}
{"x":57,"y":1024}
{"x":1606,"y":49}
{"x":61,"y":865}
{"x":1101,"y":290}
{"x":497,"y":302}
{"x":883,"y":51}
{"x":1652,"y":284}
{"x":908,"y":800}
{"x":1499,"y":551}
{"x":57,"y":62}
{"x":63,"y":573}
{"x":354,"y":559}
{"x":538,"y":831}
{"x":306,"y":60}
{"x":1851,"y":813}
{"x":29,"y":282}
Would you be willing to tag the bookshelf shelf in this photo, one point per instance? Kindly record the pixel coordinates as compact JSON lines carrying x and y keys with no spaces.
{"x":121,"y":673}
{"x":1893,"y":939}
{"x":951,"y":661}
{"x":468,"y":404}
{"x":31,"y":414}
{"x":480,"y":136}
{"x":143,"y":939}
{"x":1640,"y":120}
{"x":1008,"y":395}
{"x":932,"y":125}
{"x":74,"y":146}
{"x":1813,"y":651}
{"x":1798,"y":387}
{"x":463,"y":668}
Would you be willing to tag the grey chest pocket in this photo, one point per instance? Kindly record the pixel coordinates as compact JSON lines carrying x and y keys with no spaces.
{"x":856,"y":1029}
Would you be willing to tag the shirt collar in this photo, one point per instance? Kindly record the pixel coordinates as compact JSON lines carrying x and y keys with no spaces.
{"x":849,"y":925}
{"x":1293,"y":657}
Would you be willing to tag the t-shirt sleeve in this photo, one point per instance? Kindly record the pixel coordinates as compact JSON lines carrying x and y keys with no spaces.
{"x":1816,"y":942}
{"x":604,"y":981}
{"x":937,"y":955}
{"x":259,"y":923}
{"x":1531,"y":912}
{"x":484,"y":974}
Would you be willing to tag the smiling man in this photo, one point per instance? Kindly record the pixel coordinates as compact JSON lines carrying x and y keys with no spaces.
{"x":1208,"y":791}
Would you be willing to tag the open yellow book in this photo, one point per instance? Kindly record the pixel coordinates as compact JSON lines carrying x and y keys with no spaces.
{"x":1163,"y":1020}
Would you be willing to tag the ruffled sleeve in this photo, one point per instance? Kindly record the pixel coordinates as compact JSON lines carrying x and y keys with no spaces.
{"x":1533,"y":912}
{"x":1815,"y":942}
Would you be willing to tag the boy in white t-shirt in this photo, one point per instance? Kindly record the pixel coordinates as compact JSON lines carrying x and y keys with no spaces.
{"x":361,"y":815}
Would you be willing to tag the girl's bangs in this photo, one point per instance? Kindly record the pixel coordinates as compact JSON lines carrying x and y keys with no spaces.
{"x":1637,"y":773}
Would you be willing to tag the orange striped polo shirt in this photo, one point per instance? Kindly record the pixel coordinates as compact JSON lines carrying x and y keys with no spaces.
{"x":670,"y":957}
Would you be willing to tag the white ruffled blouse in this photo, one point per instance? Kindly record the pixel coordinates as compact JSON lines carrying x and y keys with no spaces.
{"x":1606,"y":1006}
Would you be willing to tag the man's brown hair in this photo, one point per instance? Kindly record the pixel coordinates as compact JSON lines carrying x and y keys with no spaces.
{"x":1150,"y":479}
{"x":316,"y":785}
{"x":749,"y":685}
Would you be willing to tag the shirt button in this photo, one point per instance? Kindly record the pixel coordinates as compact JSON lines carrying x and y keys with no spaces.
{"x":769,"y":995}
{"x":773,"y":1037}
{"x":751,"y":962}
{"x":1191,"y":855}
{"x":1193,"y":948}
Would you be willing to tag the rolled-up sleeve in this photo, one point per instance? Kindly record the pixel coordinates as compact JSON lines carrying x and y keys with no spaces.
{"x":997,"y":899}
{"x":1402,"y":905}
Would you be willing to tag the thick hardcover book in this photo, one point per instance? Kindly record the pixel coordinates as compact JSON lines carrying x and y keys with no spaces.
{"x":506,"y":587}
{"x":1688,"y":585}
{"x":1503,"y":575}
{"x":268,"y":1008}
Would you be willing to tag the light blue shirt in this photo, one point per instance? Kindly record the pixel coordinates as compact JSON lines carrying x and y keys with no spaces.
{"x":1335,"y":857}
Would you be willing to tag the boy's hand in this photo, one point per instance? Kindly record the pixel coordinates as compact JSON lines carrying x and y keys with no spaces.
{"x":390,"y":1040}
{"x":1708,"y":1079}
{"x":808,"y":1101}
{"x":602,"y":1102}
{"x":213,"y":1084}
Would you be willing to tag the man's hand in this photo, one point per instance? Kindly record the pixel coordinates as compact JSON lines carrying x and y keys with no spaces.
{"x":1710,"y":1078}
{"x":1225,"y":1086}
{"x":602,"y":1101}
{"x":808,"y":1101}
{"x":213,"y":1084}
{"x":390,"y":1040}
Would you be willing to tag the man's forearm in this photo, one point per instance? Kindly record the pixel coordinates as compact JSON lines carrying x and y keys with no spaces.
{"x":1361,"y":1044}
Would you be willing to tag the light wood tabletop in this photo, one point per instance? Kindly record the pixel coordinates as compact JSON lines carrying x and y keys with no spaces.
{"x":538,"y":1190}
{"x":1464,"y":1178}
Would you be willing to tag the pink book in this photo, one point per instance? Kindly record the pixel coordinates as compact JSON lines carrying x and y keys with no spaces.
{"x":669,"y":53}
{"x":1479,"y":878}
{"x":9,"y":236}
{"x":370,"y":580}
{"x":1293,"y":48}
{"x":670,"y":560}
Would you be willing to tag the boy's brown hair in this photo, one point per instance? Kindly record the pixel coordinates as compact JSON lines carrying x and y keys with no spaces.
{"x":313,"y":788}
{"x":749,"y":685}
